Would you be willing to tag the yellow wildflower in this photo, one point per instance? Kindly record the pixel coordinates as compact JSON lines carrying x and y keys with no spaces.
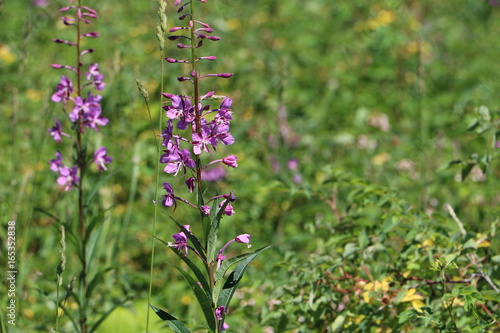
{"x":415,"y":299}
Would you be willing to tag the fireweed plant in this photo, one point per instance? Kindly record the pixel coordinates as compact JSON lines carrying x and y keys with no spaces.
{"x":77,"y":93}
{"x":193,"y":132}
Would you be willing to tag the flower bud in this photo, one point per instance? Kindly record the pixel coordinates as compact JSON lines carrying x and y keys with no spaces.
{"x":230,"y":161}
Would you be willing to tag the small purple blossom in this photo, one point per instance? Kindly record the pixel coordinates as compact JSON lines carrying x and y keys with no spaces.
{"x":40,"y":3}
{"x":57,"y":133}
{"x":180,"y":109}
{"x":56,"y":163}
{"x":179,"y":160}
{"x":63,"y":90}
{"x":69,"y":177}
{"x":96,"y":77}
{"x":202,"y":140}
{"x":293,"y":164}
{"x":219,"y":312}
{"x":101,"y":159}
{"x":230,"y":161}
{"x":191,"y":184}
{"x":213,"y":174}
{"x":168,"y":199}
{"x":205,"y":210}
{"x":181,"y":241}
{"x":244,"y":238}
{"x":229,"y":211}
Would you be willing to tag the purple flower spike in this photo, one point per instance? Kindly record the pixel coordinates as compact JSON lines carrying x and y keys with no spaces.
{"x":101,"y":159}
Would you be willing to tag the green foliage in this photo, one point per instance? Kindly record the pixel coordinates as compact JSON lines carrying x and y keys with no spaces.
{"x":381,"y":258}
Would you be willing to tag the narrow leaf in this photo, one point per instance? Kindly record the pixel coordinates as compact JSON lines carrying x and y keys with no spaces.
{"x":214,"y":230}
{"x":203,"y":299}
{"x":171,"y":321}
{"x":233,"y":279}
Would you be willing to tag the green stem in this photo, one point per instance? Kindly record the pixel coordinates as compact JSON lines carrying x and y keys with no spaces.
{"x":448,"y":305}
{"x":157,"y":178}
{"x":81,"y":208}
{"x":196,"y":97}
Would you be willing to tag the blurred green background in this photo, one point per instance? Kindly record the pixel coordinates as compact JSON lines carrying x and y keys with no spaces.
{"x":383,"y":89}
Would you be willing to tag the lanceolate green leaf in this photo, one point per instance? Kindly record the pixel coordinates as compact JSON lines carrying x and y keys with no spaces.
{"x":194,"y":268}
{"x":203,"y":298}
{"x":199,"y":274}
{"x":224,"y":293}
{"x":214,"y":230}
{"x":171,"y":321}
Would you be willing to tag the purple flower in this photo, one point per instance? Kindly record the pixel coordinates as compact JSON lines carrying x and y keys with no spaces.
{"x":213,"y":174}
{"x":168,"y":199}
{"x":101,"y":159}
{"x":497,"y":144}
{"x":171,"y":153}
{"x":293,"y":164}
{"x":226,"y":139}
{"x":220,"y":258}
{"x":167,"y":133}
{"x":201,"y":140}
{"x":96,"y":77}
{"x":56,"y":163}
{"x":230,"y":161}
{"x":175,"y":163}
{"x":94,"y":119}
{"x":221,"y":122}
{"x":89,"y":110}
{"x":244,"y":238}
{"x":191,"y":184}
{"x":180,"y":109}
{"x":205,"y":210}
{"x":297,"y":178}
{"x":57,"y":132}
{"x":219,"y":312}
{"x":40,"y":3}
{"x":68,"y":177}
{"x":229,"y":211}
{"x":181,"y":241}
{"x":63,"y":90}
